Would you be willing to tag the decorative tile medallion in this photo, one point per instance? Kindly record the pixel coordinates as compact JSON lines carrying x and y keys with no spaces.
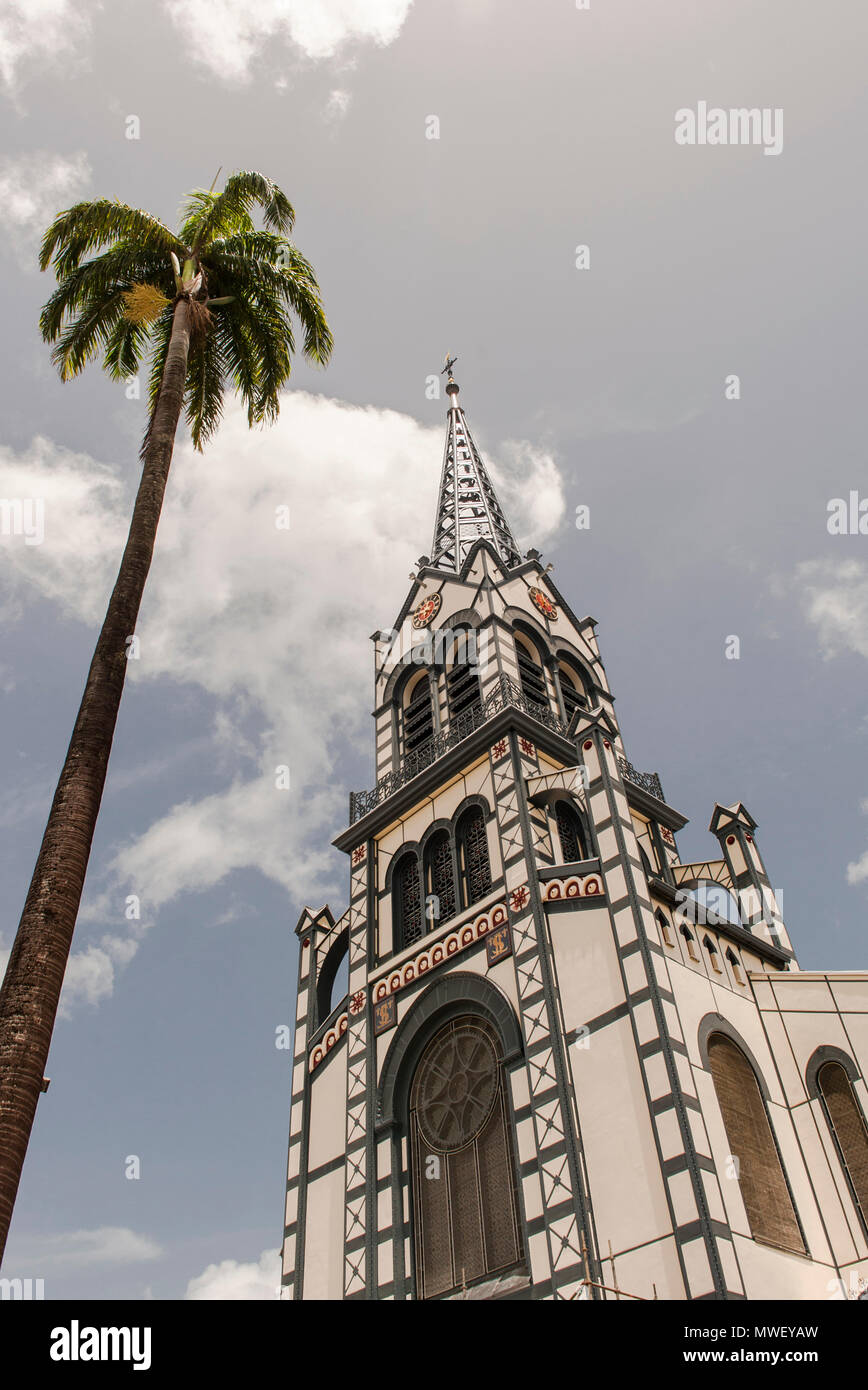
{"x":498,"y":944}
{"x":385,"y":1014}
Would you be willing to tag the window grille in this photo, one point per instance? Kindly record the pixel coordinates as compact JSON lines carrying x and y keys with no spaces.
{"x":571,"y":833}
{"x":407,"y":897}
{"x":473,"y":856}
{"x":440,"y":876}
{"x":769,"y":1207}
{"x":464,"y":1197}
{"x":847,"y":1124}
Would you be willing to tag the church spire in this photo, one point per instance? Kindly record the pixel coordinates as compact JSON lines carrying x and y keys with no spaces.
{"x":468,"y":509}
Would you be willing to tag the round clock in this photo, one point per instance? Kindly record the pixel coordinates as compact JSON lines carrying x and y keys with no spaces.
{"x":427,"y":609}
{"x":544,"y":603}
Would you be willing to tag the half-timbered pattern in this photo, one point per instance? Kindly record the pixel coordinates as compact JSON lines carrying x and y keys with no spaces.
{"x":567,"y":1064}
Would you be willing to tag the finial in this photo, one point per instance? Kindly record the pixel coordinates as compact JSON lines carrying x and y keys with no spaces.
{"x":451,"y":386}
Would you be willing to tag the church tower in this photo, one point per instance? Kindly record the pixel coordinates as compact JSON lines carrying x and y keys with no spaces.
{"x":567,"y":1065}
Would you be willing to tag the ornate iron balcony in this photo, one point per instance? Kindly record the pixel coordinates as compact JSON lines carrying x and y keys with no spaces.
{"x":648,"y":781}
{"x":506,"y":692}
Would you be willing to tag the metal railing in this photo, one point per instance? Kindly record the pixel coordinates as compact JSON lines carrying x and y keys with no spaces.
{"x":648,"y":781}
{"x":506,"y":693}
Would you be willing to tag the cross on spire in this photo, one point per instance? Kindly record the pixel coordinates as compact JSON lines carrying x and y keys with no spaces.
{"x":468,"y":509}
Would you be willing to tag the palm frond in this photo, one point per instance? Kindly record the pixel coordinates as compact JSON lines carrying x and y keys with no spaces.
{"x":203,"y":394}
{"x":125,"y":348}
{"x":116,"y":269}
{"x":210,"y":215}
{"x":87,"y":226}
{"x":87,"y":335}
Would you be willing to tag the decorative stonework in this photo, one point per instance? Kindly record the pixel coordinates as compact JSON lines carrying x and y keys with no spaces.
{"x":445,"y":948}
{"x":499,"y":944}
{"x":385,"y":1014}
{"x":556,"y":889}
{"x":333,"y":1036}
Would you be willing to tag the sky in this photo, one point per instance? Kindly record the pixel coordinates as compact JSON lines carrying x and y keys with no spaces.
{"x":668,"y":334}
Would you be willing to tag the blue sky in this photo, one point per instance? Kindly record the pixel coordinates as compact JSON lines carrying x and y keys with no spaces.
{"x":601,"y":387}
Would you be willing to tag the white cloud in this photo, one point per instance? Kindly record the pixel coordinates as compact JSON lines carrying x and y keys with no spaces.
{"x":39,"y":34}
{"x":233,"y":1281}
{"x":228,"y":36}
{"x":90,"y":974}
{"x":273,"y":624}
{"x":834,"y":597}
{"x":338,"y":104}
{"x":76,"y":1250}
{"x":34,"y":188}
{"x":85,"y":522}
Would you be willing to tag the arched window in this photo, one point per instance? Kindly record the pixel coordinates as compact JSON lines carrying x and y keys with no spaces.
{"x":571,"y":832}
{"x":769,"y":1206}
{"x":418,"y":713}
{"x":406,"y":902}
{"x":573,"y":691}
{"x":464,"y":1190}
{"x":333,"y":979}
{"x":849,"y":1131}
{"x":530,"y":672}
{"x":646,"y":862}
{"x":474,"y":869}
{"x":439,"y":879}
{"x":462,"y":678}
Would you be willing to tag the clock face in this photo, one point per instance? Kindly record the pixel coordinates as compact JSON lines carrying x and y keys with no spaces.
{"x":427,"y":609}
{"x":544,"y":603}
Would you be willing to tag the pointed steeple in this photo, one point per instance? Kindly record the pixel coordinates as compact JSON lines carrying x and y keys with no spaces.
{"x":468,"y":509}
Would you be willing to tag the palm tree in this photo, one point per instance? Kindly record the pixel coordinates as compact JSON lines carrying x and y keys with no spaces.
{"x":209,"y":306}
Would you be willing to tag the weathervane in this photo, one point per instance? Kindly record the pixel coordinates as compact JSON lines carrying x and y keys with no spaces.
{"x":450,"y":363}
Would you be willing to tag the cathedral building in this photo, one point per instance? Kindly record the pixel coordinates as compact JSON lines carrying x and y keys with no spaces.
{"x":568,"y":1065}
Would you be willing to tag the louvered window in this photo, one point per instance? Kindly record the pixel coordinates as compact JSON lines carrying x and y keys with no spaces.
{"x":440,"y":877}
{"x":572,"y":692}
{"x":407,"y":902}
{"x":531,"y":675}
{"x":848,"y":1126}
{"x":418,"y":717}
{"x":464,"y":1199}
{"x":571,"y":832}
{"x":462,"y":688}
{"x":473,"y":861}
{"x":770,"y":1212}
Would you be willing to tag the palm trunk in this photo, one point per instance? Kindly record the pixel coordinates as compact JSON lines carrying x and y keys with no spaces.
{"x":34,"y":977}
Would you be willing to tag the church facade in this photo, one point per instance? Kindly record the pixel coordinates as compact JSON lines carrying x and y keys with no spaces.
{"x":568,"y":1065}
